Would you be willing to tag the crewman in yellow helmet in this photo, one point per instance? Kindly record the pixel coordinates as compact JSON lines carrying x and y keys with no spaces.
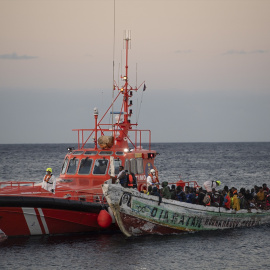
{"x":49,"y":181}
{"x":209,"y":185}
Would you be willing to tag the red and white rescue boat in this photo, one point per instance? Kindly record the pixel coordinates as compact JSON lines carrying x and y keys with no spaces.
{"x":78,"y":204}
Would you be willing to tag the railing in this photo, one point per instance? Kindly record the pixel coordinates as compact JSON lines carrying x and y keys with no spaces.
{"x":18,"y":189}
{"x":137,"y":143}
{"x":16,"y":184}
{"x":185,"y":184}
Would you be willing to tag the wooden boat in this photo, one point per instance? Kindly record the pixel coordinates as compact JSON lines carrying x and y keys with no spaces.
{"x":140,"y":214}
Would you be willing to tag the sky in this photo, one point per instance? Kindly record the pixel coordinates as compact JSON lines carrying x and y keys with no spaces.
{"x":205,"y":63}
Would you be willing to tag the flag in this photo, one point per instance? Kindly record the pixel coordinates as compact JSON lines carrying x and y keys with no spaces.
{"x":144,"y":87}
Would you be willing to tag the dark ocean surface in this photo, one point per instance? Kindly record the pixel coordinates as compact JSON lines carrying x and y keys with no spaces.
{"x":234,"y":164}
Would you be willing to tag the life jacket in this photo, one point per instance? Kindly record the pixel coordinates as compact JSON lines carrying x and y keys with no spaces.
{"x":132,"y":181}
{"x":227,"y":201}
{"x":47,"y":178}
{"x":154,"y":179}
{"x":207,"y":200}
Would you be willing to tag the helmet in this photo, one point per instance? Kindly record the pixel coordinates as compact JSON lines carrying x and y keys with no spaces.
{"x":152,"y":171}
{"x":49,"y":170}
{"x":218,"y":183}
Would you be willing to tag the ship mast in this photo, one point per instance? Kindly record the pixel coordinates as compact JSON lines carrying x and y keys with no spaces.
{"x":127,"y":40}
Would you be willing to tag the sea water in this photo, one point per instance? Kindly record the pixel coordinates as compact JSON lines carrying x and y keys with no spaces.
{"x":234,"y":164}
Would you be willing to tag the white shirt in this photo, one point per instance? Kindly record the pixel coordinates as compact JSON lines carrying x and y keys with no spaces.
{"x":209,"y":185}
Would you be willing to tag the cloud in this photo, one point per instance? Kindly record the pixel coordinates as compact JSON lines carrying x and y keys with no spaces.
{"x":14,"y":56}
{"x":242,"y":52}
{"x":183,"y":51}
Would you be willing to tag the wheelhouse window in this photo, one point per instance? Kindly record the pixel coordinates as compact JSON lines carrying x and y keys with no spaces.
{"x":127,"y":165}
{"x":72,"y":167}
{"x":85,"y":166}
{"x":91,"y":153}
{"x":117,"y":163}
{"x":140,"y":165}
{"x":106,"y":153}
{"x":64,"y":167}
{"x":100,"y":166}
{"x":77,"y":152}
{"x":133,"y":166}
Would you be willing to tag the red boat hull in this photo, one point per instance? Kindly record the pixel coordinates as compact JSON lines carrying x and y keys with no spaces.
{"x":24,"y":216}
{"x":17,"y":221}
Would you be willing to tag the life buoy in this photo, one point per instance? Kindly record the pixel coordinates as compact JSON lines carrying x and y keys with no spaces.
{"x":143,"y":187}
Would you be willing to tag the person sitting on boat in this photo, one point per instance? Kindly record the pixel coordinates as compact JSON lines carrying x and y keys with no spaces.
{"x":227,"y":200}
{"x":248,"y":196}
{"x":180,"y":194}
{"x":156,"y":193}
{"x":267,"y":202}
{"x":49,"y":181}
{"x":207,"y":199}
{"x":215,"y":198}
{"x":173,"y":192}
{"x":152,"y":179}
{"x":149,"y":190}
{"x":242,"y":200}
{"x":209,"y":185}
{"x":236,"y":203}
{"x":260,"y":197}
{"x":265,"y":188}
{"x":165,"y":192}
{"x":201,"y":195}
{"x":190,"y":196}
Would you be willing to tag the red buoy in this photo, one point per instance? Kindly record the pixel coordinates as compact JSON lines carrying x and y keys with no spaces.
{"x":104,"y":219}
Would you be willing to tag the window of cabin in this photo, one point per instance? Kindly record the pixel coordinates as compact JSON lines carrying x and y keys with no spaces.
{"x":127,"y":165}
{"x":117,"y":163}
{"x":133,"y":166}
{"x":64,"y":167}
{"x":106,"y":153}
{"x":140,"y":165}
{"x":91,"y":153}
{"x":100,"y":166}
{"x":85,"y":166}
{"x":77,"y":152}
{"x":72,"y":166}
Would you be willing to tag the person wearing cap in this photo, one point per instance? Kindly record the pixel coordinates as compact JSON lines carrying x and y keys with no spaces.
{"x":236,"y":202}
{"x":152,"y":179}
{"x":49,"y":181}
{"x":209,"y":185}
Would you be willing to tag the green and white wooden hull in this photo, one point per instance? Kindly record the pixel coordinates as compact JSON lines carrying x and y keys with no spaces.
{"x":139,"y":214}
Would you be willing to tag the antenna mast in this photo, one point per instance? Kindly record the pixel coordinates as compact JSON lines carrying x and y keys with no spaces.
{"x":113,"y":59}
{"x":127,"y":39}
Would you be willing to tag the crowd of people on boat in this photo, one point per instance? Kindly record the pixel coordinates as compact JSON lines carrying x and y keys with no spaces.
{"x":208,"y":195}
{"x":230,"y":198}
